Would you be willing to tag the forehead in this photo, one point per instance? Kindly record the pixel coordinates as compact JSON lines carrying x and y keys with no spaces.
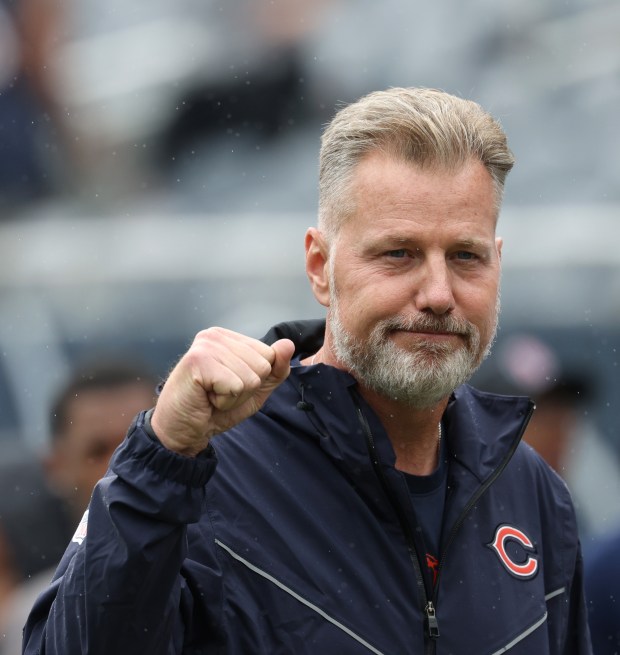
{"x":386,"y":190}
{"x":107,"y":406}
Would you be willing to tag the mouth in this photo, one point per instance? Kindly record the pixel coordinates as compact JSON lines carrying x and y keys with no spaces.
{"x":431,"y":331}
{"x":429,"y":336}
{"x":428,"y":333}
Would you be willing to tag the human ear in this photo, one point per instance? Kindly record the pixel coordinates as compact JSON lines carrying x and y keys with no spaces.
{"x":499,"y":242}
{"x":317,"y":265}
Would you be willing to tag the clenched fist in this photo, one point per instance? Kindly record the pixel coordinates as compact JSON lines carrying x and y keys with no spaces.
{"x":223,"y":378}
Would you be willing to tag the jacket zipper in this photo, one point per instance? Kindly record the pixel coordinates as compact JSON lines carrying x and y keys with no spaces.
{"x":432,"y":627}
{"x":429,"y":604}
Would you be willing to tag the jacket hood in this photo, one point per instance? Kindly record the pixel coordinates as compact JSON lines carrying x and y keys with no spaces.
{"x":307,"y":335}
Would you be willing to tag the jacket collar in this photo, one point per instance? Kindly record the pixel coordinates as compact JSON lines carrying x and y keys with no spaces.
{"x":480,"y":427}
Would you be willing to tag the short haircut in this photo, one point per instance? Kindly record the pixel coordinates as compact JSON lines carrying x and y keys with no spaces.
{"x":426,"y":127}
{"x":97,"y":376}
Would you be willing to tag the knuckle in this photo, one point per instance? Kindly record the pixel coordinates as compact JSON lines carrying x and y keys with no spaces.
{"x":263,"y":369}
{"x":211,"y":333}
{"x":235,"y":388}
{"x":254,"y":382}
{"x":192,"y":359}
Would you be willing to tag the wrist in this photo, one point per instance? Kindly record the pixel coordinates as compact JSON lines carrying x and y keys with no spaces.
{"x":154,"y":432}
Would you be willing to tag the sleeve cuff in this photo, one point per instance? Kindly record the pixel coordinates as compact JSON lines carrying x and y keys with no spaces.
{"x":143,"y":445}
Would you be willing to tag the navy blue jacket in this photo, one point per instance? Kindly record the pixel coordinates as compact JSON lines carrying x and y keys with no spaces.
{"x":294,"y":533}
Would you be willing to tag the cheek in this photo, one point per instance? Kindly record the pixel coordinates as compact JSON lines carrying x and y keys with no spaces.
{"x":485,"y":316}
{"x":479,"y":299}
{"x":360,"y":306}
{"x":373,"y":289}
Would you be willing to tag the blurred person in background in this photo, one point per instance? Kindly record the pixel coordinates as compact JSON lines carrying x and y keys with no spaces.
{"x":256,"y":109}
{"x":34,"y":528}
{"x":525,"y":365}
{"x":560,"y":430}
{"x":31,"y":134}
{"x":260,"y":90}
{"x":88,"y":421}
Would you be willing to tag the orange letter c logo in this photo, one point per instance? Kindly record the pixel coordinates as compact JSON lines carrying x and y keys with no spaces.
{"x":523,"y":570}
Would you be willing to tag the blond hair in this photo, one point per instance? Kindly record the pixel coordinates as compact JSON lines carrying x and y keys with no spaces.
{"x":427,"y":127}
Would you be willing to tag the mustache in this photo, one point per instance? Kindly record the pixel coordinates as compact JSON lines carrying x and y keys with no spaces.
{"x":430,"y":323}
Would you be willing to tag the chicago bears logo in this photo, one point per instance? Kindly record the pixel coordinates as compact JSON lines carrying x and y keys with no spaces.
{"x":521,"y":565}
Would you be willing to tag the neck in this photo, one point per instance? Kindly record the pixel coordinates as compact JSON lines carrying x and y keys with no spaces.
{"x":414,"y":433}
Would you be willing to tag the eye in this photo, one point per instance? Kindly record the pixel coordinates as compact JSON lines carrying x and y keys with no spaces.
{"x":397,"y":254}
{"x":464,"y":255}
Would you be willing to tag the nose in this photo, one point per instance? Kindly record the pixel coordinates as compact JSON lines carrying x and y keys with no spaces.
{"x":434,"y":291}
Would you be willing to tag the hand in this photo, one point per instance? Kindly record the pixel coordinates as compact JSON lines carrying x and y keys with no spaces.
{"x":224,"y":378}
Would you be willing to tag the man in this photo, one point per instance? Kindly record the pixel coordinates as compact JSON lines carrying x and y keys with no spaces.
{"x":88,"y":419}
{"x":338,"y":489}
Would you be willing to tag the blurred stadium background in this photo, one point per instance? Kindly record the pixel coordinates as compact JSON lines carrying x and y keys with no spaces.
{"x":173,"y":161}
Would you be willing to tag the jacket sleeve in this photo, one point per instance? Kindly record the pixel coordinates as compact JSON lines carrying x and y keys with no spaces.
{"x":120,"y":587}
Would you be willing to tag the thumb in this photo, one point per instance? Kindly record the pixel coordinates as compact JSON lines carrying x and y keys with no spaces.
{"x":281,"y":367}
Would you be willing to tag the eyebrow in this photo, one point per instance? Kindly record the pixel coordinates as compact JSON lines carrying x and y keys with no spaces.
{"x":476,"y":244}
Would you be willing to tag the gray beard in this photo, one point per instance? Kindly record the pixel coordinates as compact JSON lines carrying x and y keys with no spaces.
{"x":419,"y":378}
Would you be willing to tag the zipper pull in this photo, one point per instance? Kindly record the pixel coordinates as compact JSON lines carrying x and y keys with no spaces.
{"x":432,"y":627}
